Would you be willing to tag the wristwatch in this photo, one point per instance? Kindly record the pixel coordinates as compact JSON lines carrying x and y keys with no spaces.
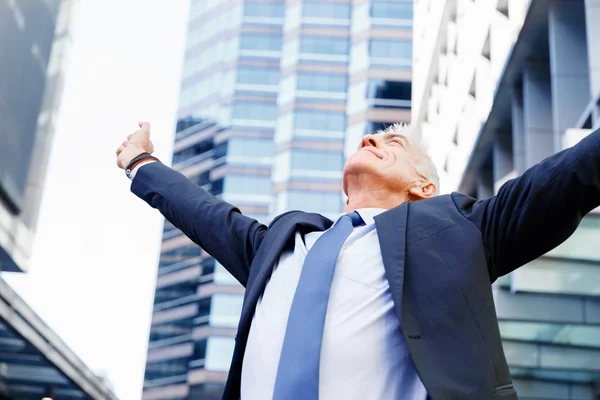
{"x":133,"y":163}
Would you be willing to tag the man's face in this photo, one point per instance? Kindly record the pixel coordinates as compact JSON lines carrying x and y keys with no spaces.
{"x":387,"y":158}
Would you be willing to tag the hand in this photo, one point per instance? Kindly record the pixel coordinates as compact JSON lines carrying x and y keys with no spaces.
{"x":136,"y":144}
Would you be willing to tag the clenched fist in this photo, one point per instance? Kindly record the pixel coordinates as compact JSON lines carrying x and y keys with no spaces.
{"x":136,"y":144}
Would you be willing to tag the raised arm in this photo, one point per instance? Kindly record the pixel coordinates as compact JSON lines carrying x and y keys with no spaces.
{"x":218,"y":227}
{"x":534,"y":213}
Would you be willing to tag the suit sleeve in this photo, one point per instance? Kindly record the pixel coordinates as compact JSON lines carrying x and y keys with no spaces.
{"x":534,"y":213}
{"x":216,"y":226}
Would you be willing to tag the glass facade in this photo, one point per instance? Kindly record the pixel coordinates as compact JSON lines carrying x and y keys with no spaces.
{"x":506,"y":93}
{"x":266,"y":122}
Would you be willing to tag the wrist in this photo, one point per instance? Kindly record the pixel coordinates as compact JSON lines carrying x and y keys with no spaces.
{"x":137,"y":161}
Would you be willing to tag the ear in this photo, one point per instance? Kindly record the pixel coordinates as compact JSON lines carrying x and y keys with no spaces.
{"x":422,"y":191}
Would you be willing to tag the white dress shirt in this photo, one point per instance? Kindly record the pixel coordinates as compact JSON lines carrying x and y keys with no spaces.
{"x":364,"y":353}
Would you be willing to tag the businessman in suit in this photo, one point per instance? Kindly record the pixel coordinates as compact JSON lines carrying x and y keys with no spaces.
{"x":392,"y":300}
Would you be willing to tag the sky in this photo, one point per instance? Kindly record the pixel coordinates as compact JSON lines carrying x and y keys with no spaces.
{"x":95,"y":255}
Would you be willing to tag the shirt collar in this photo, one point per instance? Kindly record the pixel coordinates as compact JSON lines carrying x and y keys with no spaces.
{"x":367,"y":214}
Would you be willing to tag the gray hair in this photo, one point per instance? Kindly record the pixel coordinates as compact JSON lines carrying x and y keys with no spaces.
{"x":425,"y":166}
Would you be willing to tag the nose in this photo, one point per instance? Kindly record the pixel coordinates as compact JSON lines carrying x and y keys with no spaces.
{"x":370,"y":140}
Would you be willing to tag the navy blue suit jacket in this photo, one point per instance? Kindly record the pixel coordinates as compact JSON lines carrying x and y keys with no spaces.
{"x":440,"y":257}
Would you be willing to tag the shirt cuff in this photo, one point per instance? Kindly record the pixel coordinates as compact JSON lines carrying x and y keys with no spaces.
{"x":134,"y":171}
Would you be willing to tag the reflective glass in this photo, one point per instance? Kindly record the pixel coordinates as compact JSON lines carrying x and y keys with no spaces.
{"x":261,"y":9}
{"x":391,"y":9}
{"x":374,"y":127}
{"x":225,"y":309}
{"x":324,"y":45}
{"x":253,"y":147}
{"x":391,"y":48}
{"x":313,"y":9}
{"x":166,"y":369}
{"x":319,"y":120}
{"x":556,"y":375}
{"x":317,"y":160}
{"x":253,"y":41}
{"x":219,"y":351}
{"x":575,"y":335}
{"x":247,"y":184}
{"x":322,"y":82}
{"x":258,"y":75}
{"x":221,"y":275}
{"x":382,"y":89}
{"x":325,"y":202}
{"x":254,"y":111}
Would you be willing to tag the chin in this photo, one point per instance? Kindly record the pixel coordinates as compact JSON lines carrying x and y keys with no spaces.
{"x":358,"y":164}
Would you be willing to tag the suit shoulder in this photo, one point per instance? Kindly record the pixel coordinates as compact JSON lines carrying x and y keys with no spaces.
{"x":463,"y":203}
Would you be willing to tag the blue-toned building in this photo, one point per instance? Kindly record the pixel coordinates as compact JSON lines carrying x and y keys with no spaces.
{"x":274,"y":95}
{"x":499,"y":86}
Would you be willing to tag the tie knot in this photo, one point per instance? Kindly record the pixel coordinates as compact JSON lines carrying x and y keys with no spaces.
{"x":356,"y":219}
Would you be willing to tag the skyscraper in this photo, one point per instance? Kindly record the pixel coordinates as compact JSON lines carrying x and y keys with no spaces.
{"x":499,"y":86}
{"x":274,"y":96}
{"x":35,"y":38}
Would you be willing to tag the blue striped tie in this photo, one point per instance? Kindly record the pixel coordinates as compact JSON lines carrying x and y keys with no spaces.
{"x":298,"y":371}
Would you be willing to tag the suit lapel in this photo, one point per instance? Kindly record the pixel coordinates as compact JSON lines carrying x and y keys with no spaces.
{"x":277,"y":237}
{"x":391,"y":230}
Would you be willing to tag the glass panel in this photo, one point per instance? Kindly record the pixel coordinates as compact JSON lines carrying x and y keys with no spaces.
{"x":258,"y":76}
{"x":382,"y":89}
{"x":389,"y":9}
{"x":254,"y":111}
{"x":261,"y":9}
{"x":319,"y":120}
{"x":391,"y":48}
{"x":546,"y":275}
{"x":221,"y":275}
{"x":225,"y":309}
{"x":583,"y":244}
{"x":322,"y":82}
{"x":317,"y":160}
{"x":247,"y":184}
{"x":250,"y":147}
{"x":576,"y":335}
{"x":323,"y":45}
{"x":314,"y":9}
{"x":324,"y":202}
{"x":219,"y":351}
{"x":250,"y":41}
{"x":556,"y":375}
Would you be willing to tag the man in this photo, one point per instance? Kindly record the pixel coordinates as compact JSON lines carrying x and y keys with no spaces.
{"x":393,"y":301}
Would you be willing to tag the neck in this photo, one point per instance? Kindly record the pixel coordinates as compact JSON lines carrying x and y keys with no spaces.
{"x":378,"y":198}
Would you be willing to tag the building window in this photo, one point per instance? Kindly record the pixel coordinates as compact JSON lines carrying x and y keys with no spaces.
{"x":391,"y":48}
{"x":325,"y":202}
{"x":247,"y":185}
{"x":260,"y":42}
{"x":317,"y":82}
{"x":258,"y":76}
{"x":254,"y":111}
{"x":381,"y":89}
{"x":395,"y":10}
{"x":389,"y":94}
{"x":252,"y":147}
{"x":374,"y":127}
{"x":261,"y":9}
{"x":312,"y":9}
{"x":319,"y":120}
{"x":219,"y":351}
{"x":324,"y":45}
{"x":225,"y":310}
{"x":192,"y":151}
{"x":317,"y":160}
